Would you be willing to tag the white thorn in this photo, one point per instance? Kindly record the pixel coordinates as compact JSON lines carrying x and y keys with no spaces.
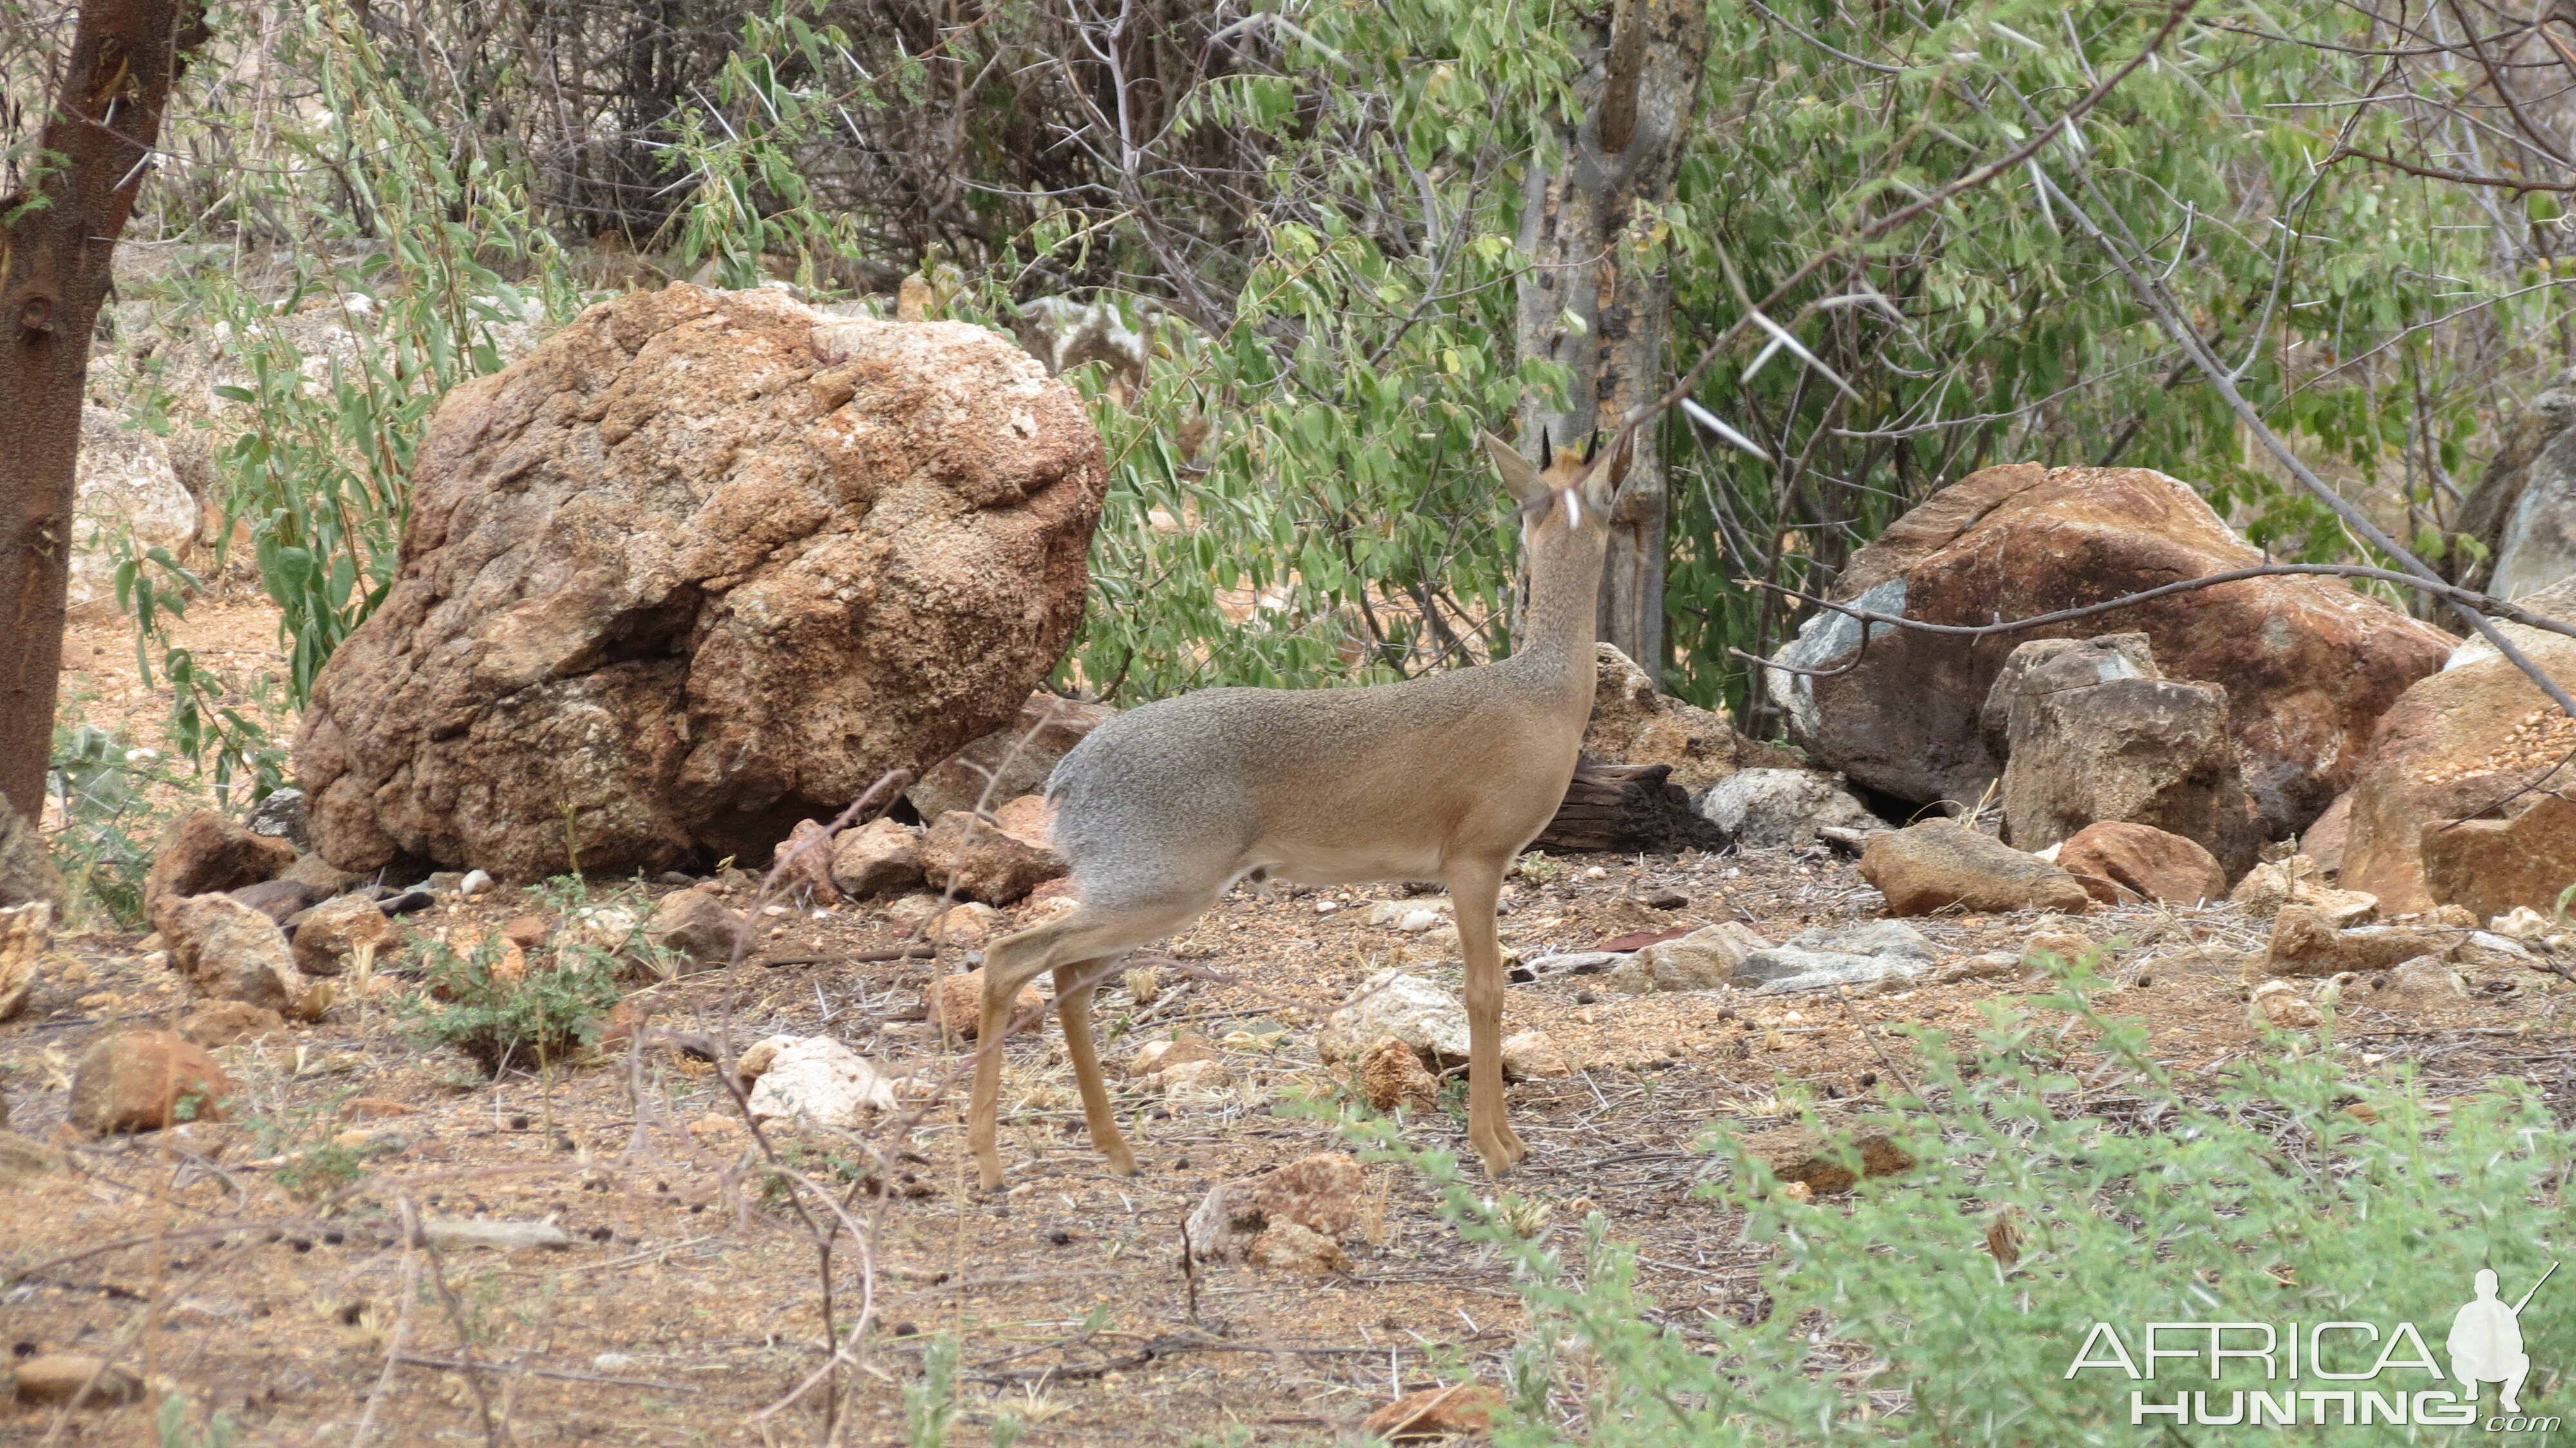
{"x":1707,"y":419}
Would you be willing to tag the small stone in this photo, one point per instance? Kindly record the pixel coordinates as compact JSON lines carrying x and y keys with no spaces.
{"x":217,"y":1024}
{"x":2305,"y":942}
{"x":1398,"y":913}
{"x":375,"y":1108}
{"x":1155,"y":1056}
{"x":1797,"y":1154}
{"x":526,"y":931}
{"x":2065,"y":945}
{"x":1319,"y":1193}
{"x":1415,"y":1011}
{"x":1293,"y":1247}
{"x":912,"y":910}
{"x":1702,"y":960}
{"x":205,"y":854}
{"x":998,"y":860}
{"x":229,"y":950}
{"x":334,"y":931}
{"x":1457,"y":1411}
{"x":26,"y":933}
{"x":474,"y":883}
{"x":1533,"y":1054}
{"x":880,"y":857}
{"x":1417,"y":921}
{"x":55,"y":1378}
{"x":1666,"y":900}
{"x":2424,"y":983}
{"x":815,"y":1078}
{"x":958,"y":1002}
{"x":282,"y":815}
{"x":1392,"y":1076}
{"x":803,"y":863}
{"x":2119,"y":863}
{"x":144,"y":1081}
{"x":1185,"y":1076}
{"x":695,"y":926}
{"x":2278,"y":1003}
{"x":606,"y":928}
{"x":2520,"y":923}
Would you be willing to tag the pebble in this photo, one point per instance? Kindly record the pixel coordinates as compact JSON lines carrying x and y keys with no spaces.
{"x":1326,"y":907}
{"x":474,"y":883}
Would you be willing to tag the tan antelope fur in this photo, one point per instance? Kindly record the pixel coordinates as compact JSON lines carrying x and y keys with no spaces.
{"x":1447,"y":777}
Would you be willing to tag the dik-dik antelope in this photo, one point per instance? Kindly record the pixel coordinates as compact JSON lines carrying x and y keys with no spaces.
{"x":1446,"y":777}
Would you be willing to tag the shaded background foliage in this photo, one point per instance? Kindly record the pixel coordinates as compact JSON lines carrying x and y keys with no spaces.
{"x":1308,"y":211}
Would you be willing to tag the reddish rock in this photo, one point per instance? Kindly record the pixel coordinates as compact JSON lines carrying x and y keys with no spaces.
{"x":958,"y":1003}
{"x":2308,"y":664}
{"x":207,"y":853}
{"x":232,"y":952}
{"x":802,"y":863}
{"x":1320,"y":1193}
{"x":2325,"y":841}
{"x":1936,"y":864}
{"x":55,"y":1379}
{"x":26,"y":933}
{"x":996,"y":861}
{"x":145,"y":1080}
{"x":1392,"y":1076}
{"x":526,"y":931}
{"x":220,"y":1023}
{"x":881,"y":857}
{"x":1459,"y":1410}
{"x":1799,"y":1155}
{"x":701,"y":565}
{"x":1009,"y":762}
{"x":2120,"y":864}
{"x":696,"y":926}
{"x":2454,"y":746}
{"x":337,"y":929}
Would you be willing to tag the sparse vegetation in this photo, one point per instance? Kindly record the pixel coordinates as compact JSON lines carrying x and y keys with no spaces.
{"x":506,"y":1010}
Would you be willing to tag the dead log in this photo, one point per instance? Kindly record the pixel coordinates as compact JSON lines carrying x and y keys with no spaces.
{"x":1628,"y":808}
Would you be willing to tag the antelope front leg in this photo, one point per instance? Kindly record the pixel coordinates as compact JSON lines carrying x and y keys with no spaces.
{"x":1472,"y":893}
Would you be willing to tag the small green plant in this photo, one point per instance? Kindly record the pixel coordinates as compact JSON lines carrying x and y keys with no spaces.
{"x":173,"y":1426}
{"x":1537,"y":868}
{"x":105,"y":788}
{"x":930,"y":1405}
{"x":527,"y":1018}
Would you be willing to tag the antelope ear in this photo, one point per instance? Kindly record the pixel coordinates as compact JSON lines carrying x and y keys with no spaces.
{"x":1601,"y":484}
{"x":1527,"y":488}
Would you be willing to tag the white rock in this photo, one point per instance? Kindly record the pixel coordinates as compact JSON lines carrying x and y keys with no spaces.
{"x":818,"y":1079}
{"x":1402,"y":913}
{"x":603,"y":927}
{"x":2279,"y":1003}
{"x":1577,"y":962}
{"x":1702,"y":960}
{"x":1781,"y":806}
{"x":1532,"y":1054}
{"x":127,"y":491}
{"x":1407,"y":1007}
{"x":1326,"y":907}
{"x":474,"y":883}
{"x":2520,"y":923}
{"x":1879,"y":953}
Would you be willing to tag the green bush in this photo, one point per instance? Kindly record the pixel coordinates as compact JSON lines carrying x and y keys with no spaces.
{"x":500,"y":1020}
{"x":2261,"y":1201}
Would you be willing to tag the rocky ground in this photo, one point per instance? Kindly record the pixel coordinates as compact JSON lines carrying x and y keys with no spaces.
{"x":256,"y":1265}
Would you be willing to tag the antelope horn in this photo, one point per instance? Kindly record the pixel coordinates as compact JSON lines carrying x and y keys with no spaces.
{"x":1546,"y":457}
{"x":1592,"y":446}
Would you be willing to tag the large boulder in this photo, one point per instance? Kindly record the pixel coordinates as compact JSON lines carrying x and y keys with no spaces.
{"x":702,"y":565}
{"x":128,"y":498}
{"x":2523,"y":512}
{"x":2143,"y":750}
{"x":1009,"y":762}
{"x":2309,"y":665}
{"x":2456,"y":745}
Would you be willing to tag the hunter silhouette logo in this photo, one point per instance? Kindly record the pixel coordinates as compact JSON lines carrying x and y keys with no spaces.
{"x":2345,"y":1372}
{"x":2486,"y":1342}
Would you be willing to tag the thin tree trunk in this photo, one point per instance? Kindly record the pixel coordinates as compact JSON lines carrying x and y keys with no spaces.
{"x":1639,"y":94}
{"x":57,"y":238}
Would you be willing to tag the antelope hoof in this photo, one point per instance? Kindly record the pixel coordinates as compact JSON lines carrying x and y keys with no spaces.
{"x":1121,"y":1160}
{"x":1501,"y":1154}
{"x":989,"y":1171}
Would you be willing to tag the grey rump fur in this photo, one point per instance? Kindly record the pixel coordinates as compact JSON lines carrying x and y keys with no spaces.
{"x":1445,"y":777}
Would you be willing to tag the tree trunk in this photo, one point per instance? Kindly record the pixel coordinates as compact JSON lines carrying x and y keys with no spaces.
{"x":57,"y":237}
{"x":1639,"y":94}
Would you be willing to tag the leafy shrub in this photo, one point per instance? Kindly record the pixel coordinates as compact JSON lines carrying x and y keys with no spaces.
{"x":2267,"y":1203}
{"x":502,"y":1019}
